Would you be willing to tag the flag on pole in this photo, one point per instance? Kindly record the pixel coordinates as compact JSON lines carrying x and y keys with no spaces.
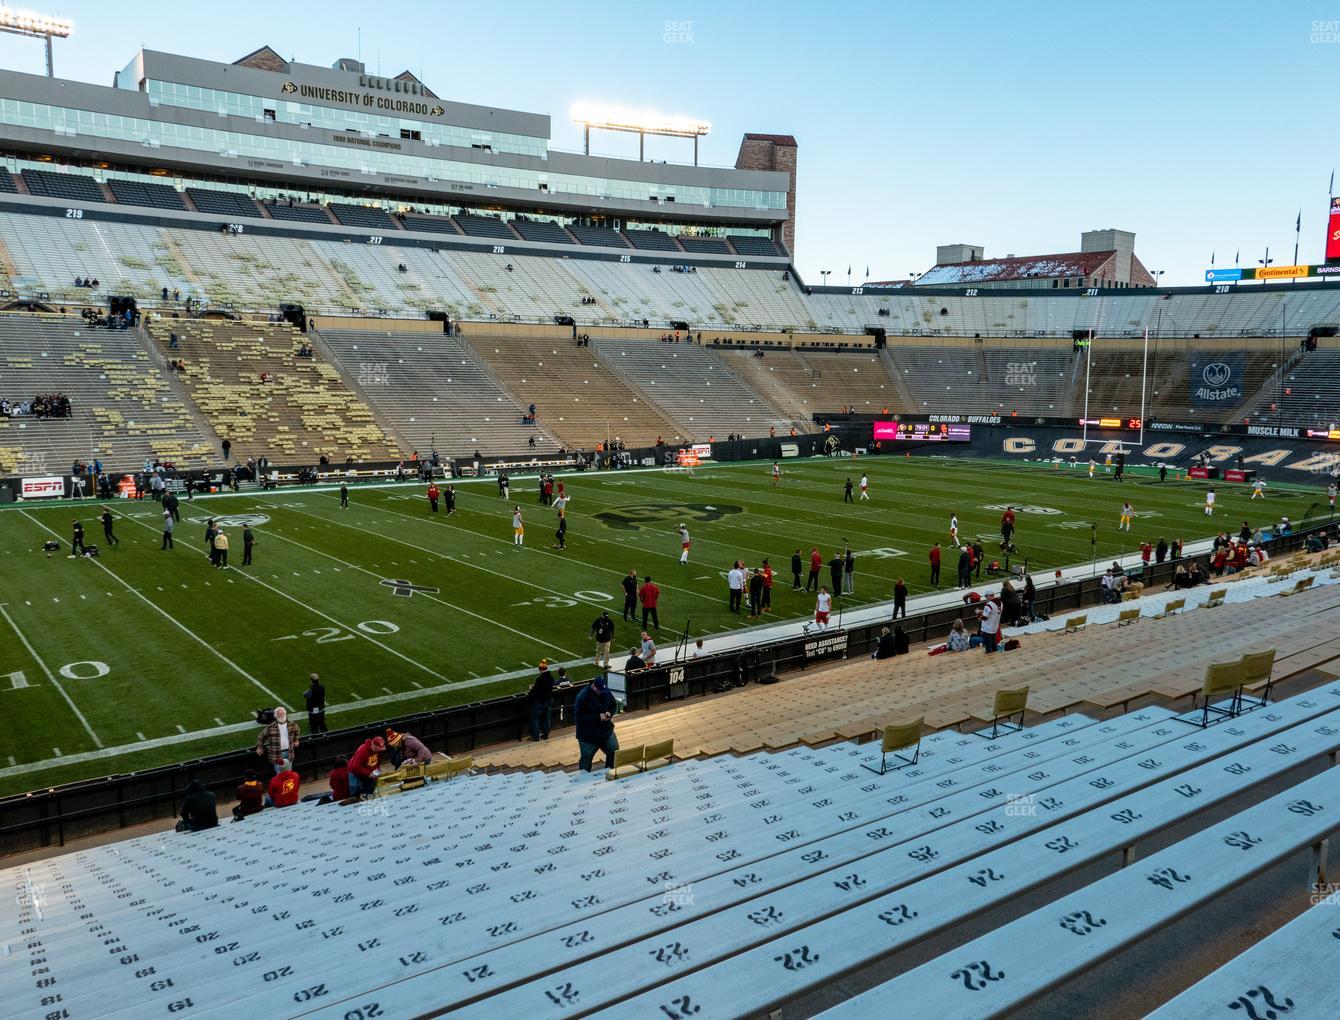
{"x":1298,"y":226}
{"x":1211,"y":258}
{"x":1330,"y":188}
{"x":1237,"y":257}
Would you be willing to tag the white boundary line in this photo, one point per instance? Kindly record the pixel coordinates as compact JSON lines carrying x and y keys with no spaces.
{"x":427,"y":595}
{"x":50,"y":676}
{"x":168,"y":616}
{"x":245,"y":727}
{"x":311,"y":609}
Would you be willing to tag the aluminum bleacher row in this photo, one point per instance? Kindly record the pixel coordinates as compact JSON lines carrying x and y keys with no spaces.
{"x":713,"y":888}
{"x":124,"y":407}
{"x":1098,"y":672}
{"x":228,"y":269}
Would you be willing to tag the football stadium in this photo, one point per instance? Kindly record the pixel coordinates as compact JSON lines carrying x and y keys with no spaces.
{"x":451,"y":573}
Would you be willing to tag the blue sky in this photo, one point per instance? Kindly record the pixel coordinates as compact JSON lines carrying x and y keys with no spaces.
{"x":1016,"y":126}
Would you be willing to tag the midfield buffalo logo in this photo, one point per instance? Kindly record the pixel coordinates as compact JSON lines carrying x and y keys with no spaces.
{"x":233,"y":520}
{"x":636,"y":516}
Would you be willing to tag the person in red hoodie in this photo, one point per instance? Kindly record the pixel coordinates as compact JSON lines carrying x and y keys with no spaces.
{"x":250,"y":796}
{"x":649,"y":595}
{"x":816,"y":565}
{"x":283,"y":791}
{"x":433,"y":496}
{"x":935,"y":565}
{"x":365,"y":767}
{"x":339,"y":780}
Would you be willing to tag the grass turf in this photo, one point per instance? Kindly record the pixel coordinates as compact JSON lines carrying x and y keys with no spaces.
{"x":143,"y":656}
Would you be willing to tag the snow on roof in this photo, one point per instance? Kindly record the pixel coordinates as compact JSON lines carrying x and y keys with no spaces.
{"x":1046,"y":267}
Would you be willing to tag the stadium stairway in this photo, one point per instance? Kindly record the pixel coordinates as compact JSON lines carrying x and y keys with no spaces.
{"x":1103,"y":667}
{"x":714,"y":888}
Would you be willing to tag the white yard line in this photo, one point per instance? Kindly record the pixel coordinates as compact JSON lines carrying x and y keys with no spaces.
{"x":427,"y":595}
{"x":168,"y":616}
{"x":104,"y":753}
{"x":545,"y":552}
{"x":312,"y":609}
{"x":50,"y":676}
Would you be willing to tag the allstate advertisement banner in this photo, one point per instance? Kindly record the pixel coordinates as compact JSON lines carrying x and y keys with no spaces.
{"x":1216,"y":378}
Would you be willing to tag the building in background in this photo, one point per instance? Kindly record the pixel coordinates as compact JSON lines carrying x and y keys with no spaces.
{"x":324,"y":138}
{"x":774,"y":153}
{"x":1106,"y":259}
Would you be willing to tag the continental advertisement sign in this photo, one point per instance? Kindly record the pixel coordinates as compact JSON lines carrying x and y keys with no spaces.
{"x":1272,"y":272}
{"x":1282,"y":272}
{"x":363,"y":100}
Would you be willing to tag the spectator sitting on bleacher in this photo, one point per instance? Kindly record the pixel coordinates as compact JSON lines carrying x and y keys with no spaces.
{"x":283,"y":789}
{"x":250,"y":796}
{"x":339,"y":780}
{"x":365,"y":767}
{"x":885,"y":648}
{"x":198,"y":809}
{"x":405,"y":747}
{"x":958,"y":638}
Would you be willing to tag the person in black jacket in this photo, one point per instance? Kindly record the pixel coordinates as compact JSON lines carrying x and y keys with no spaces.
{"x":630,"y":596}
{"x":755,"y":592}
{"x":1011,"y":606}
{"x":540,"y":697}
{"x":835,"y":570}
{"x":885,"y":648}
{"x":899,"y":599}
{"x":593,"y":713}
{"x":602,"y":629}
{"x":315,"y":697}
{"x":198,"y":809}
{"x":796,"y":566}
{"x":901,"y":644}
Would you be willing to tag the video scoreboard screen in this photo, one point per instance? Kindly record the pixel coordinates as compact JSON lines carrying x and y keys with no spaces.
{"x":922,"y":432}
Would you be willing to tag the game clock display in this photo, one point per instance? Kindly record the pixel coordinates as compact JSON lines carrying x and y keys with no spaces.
{"x":922,"y":432}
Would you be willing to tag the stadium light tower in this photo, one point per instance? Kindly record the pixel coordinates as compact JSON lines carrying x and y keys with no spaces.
{"x":824,"y":273}
{"x":637,"y":122}
{"x":36,"y":26}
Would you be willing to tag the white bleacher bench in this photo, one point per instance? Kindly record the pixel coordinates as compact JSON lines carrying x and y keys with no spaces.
{"x":765,"y":829}
{"x":917,"y":850}
{"x":978,"y":862}
{"x":1289,"y":975}
{"x":1016,"y":963}
{"x":336,"y":841}
{"x":568,"y":885}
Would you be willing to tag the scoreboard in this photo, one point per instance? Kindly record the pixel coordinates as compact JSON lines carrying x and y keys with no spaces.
{"x":922,"y":432}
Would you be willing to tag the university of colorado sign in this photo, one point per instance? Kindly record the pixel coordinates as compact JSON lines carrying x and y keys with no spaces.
{"x":371,"y":100}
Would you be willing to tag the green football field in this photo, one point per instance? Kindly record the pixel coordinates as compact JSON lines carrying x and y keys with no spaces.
{"x":144,"y":656}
